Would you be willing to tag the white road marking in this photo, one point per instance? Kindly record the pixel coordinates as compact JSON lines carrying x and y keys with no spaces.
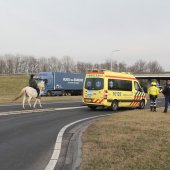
{"x":57,"y":148}
{"x":39,"y":110}
{"x":45,"y":102}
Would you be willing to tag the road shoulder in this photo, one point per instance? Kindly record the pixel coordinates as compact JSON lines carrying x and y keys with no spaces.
{"x":71,"y":150}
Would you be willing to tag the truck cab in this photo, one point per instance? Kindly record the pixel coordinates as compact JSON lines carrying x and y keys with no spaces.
{"x":48,"y":78}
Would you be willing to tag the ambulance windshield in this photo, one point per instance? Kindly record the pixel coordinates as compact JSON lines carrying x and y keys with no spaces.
{"x":94,"y":83}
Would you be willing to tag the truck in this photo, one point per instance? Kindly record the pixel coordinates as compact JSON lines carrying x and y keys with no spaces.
{"x":61,"y":84}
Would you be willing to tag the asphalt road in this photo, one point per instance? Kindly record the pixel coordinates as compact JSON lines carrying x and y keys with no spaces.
{"x":27,"y":138}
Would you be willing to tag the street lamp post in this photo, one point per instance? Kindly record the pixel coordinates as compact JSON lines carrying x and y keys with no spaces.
{"x":111,"y":67}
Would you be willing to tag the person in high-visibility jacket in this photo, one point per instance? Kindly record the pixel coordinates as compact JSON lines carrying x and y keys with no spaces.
{"x":153,"y":92}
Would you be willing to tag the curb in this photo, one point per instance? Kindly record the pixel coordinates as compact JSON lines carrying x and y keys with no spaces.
{"x":71,"y":150}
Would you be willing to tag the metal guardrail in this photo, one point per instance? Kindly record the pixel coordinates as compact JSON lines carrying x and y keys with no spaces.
{"x":162,"y":76}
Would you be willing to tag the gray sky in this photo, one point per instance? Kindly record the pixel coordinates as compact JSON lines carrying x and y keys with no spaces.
{"x":87,"y":30}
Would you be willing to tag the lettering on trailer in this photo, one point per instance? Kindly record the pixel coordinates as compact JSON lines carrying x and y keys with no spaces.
{"x":72,"y":79}
{"x":58,"y":86}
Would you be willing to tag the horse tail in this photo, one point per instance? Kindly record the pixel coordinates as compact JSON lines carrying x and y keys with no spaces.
{"x":20,"y":94}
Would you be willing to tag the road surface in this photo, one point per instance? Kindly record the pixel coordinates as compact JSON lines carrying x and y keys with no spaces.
{"x":27,"y":137}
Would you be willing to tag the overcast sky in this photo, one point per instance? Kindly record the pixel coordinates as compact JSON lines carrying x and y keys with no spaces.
{"x":87,"y":30}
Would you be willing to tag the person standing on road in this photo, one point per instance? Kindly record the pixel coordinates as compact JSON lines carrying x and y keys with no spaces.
{"x":153,"y":92}
{"x":33,"y":84}
{"x":166,"y":93}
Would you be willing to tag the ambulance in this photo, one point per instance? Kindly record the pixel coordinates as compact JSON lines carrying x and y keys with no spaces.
{"x":112,"y":90}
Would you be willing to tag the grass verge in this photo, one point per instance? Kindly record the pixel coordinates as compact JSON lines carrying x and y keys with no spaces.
{"x":136,"y":139}
{"x":11,"y":85}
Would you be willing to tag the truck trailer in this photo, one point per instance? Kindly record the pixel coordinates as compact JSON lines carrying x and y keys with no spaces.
{"x":61,"y":84}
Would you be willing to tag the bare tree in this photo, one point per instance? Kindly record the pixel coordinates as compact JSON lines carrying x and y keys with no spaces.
{"x":154,"y":67}
{"x":140,"y":66}
{"x":107,"y":64}
{"x":54,"y":64}
{"x":32,"y":64}
{"x":83,"y":67}
{"x":122,"y":67}
{"x":2,"y":66}
{"x":43,"y":64}
{"x":11,"y":64}
{"x":68,"y":64}
{"x":115,"y":66}
{"x":17,"y":64}
{"x":96,"y":66}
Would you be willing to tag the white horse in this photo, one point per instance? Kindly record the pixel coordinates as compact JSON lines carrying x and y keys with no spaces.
{"x":31,"y":93}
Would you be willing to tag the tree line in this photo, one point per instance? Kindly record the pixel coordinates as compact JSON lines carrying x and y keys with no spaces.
{"x":22,"y":64}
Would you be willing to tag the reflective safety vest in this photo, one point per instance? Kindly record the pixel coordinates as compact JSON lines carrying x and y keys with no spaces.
{"x":153,"y":90}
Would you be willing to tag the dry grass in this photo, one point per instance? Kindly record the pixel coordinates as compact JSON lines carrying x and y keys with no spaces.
{"x":10,"y":86}
{"x":136,"y":139}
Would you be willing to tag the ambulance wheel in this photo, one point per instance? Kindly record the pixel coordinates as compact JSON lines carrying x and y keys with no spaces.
{"x":114,"y":105}
{"x":92,"y":107}
{"x":142,"y":104}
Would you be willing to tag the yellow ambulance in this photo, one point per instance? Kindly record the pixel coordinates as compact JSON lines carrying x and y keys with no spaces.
{"x":112,"y":90}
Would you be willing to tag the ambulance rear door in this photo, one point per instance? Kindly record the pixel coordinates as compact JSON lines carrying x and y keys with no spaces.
{"x":93,"y":90}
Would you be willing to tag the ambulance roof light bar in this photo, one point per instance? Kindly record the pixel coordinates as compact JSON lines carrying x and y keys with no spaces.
{"x":97,"y":70}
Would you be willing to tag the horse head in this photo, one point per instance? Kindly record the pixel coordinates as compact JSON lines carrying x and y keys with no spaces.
{"x":41,"y":85}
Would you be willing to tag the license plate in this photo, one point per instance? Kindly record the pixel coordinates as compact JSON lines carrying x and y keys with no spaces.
{"x":88,"y":100}
{"x":89,"y":93}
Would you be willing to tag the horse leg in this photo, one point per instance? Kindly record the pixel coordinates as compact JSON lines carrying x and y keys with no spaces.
{"x":23,"y":102}
{"x":40,"y":103}
{"x":35,"y":103}
{"x":29,"y":99}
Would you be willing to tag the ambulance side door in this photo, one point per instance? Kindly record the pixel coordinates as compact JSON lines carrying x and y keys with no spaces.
{"x":127,"y":93}
{"x":137,"y":91}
